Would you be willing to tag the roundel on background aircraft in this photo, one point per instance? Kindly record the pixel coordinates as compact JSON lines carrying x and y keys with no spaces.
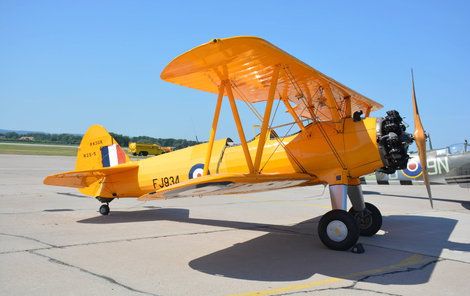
{"x":196,"y":171}
{"x":413,"y":168}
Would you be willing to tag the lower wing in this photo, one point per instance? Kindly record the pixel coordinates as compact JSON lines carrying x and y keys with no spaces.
{"x":231,"y":184}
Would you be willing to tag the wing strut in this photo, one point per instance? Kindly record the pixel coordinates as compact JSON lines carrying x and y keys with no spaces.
{"x":267,"y":116}
{"x":292,"y":113}
{"x":241,"y":133}
{"x":215,"y":122}
{"x":347,"y":106}
{"x":368,"y":109}
{"x":335,"y":116}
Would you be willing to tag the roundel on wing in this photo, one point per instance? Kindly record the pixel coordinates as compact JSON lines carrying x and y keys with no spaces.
{"x":196,"y":171}
{"x":413,"y":168}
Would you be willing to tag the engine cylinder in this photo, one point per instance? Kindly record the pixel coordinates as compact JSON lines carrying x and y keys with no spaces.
{"x":393,"y":142}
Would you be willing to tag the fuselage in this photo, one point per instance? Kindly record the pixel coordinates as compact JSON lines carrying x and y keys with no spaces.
{"x":320,"y":150}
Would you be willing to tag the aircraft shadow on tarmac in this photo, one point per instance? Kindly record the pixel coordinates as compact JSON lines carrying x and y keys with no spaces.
{"x":465,"y":204}
{"x":293,"y":253}
{"x":72,"y":194}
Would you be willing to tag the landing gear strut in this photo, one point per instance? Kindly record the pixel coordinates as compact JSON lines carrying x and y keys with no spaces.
{"x":340,"y":230}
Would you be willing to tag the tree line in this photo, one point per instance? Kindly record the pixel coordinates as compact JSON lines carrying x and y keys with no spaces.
{"x":71,"y":139}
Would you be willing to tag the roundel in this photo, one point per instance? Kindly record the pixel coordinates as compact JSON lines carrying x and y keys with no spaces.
{"x":413,"y":169}
{"x":196,"y":171}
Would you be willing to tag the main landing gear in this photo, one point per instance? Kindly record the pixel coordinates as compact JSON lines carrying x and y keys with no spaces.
{"x":369,"y":220}
{"x":339,"y":229}
{"x":104,"y":209}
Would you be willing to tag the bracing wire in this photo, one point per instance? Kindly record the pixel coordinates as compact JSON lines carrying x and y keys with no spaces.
{"x":281,"y":143}
{"x":258,"y":115}
{"x":320,"y":127}
{"x":244,"y":99}
{"x":274,"y":115}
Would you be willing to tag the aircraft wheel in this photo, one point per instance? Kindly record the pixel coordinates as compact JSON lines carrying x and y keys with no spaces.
{"x":338,"y":230}
{"x":104,"y":210}
{"x":369,"y":221}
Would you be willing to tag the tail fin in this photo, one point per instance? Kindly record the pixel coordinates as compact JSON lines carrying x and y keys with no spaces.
{"x":99,"y":149}
{"x":99,"y":156}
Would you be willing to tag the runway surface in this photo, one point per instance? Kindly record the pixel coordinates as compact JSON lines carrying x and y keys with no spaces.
{"x":54,"y":242}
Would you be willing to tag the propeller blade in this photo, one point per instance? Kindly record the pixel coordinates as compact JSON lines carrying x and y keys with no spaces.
{"x":420,"y":139}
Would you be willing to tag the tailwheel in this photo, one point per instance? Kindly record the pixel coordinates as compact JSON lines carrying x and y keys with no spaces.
{"x":338,"y":230}
{"x":104,"y":209}
{"x":369,"y":220}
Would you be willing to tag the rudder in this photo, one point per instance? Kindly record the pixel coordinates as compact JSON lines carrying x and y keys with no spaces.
{"x":98,"y":149}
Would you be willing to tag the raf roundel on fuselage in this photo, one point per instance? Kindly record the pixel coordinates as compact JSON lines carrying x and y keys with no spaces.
{"x":196,"y":171}
{"x":413,"y":169}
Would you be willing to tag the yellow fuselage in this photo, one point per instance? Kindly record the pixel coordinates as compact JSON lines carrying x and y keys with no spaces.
{"x":349,"y":154}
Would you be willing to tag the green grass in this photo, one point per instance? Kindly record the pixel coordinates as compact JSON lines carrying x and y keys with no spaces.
{"x":32,"y":149}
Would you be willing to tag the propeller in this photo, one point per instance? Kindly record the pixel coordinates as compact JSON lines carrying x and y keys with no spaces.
{"x":420,"y":138}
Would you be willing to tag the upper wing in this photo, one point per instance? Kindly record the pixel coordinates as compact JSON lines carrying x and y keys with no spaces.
{"x":84,"y":178}
{"x":230,"y":184}
{"x":248,"y":62}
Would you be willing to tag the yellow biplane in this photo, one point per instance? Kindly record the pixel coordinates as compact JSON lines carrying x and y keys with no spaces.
{"x":336,"y":143}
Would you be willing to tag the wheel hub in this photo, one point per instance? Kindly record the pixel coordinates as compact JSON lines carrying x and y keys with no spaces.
{"x":337,"y":231}
{"x":364,"y":220}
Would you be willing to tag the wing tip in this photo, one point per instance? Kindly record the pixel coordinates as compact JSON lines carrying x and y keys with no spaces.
{"x":166,"y":75}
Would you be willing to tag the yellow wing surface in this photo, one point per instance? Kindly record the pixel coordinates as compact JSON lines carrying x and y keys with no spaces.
{"x":230,"y":184}
{"x":249,"y":63}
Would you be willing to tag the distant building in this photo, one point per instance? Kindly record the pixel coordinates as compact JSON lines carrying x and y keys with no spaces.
{"x":29,"y":139}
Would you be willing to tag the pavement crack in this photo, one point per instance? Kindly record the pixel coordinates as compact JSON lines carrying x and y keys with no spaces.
{"x":351,"y":287}
{"x":365,"y":278}
{"x":27,"y":250}
{"x":143,"y":238}
{"x":50,"y":246}
{"x":28,"y":238}
{"x":374,"y":291}
{"x":255,"y":227}
{"x":106,"y":278}
{"x":407,"y":269}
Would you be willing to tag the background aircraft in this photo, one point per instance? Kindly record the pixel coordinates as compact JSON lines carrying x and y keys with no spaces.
{"x":449,"y":165}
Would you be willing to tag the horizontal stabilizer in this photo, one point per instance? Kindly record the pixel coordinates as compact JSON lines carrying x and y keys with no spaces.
{"x":230,"y":184}
{"x":84,"y":178}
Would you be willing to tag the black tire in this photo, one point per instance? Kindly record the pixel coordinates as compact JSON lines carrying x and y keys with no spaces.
{"x":135,"y":154}
{"x":369,"y":222}
{"x":145,"y":153}
{"x":343,"y":221}
{"x":104,"y":210}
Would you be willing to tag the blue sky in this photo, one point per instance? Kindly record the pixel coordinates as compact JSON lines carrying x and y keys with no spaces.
{"x":65,"y":65}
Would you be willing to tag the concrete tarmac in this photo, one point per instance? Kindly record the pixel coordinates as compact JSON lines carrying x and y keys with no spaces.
{"x":53,"y":241}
